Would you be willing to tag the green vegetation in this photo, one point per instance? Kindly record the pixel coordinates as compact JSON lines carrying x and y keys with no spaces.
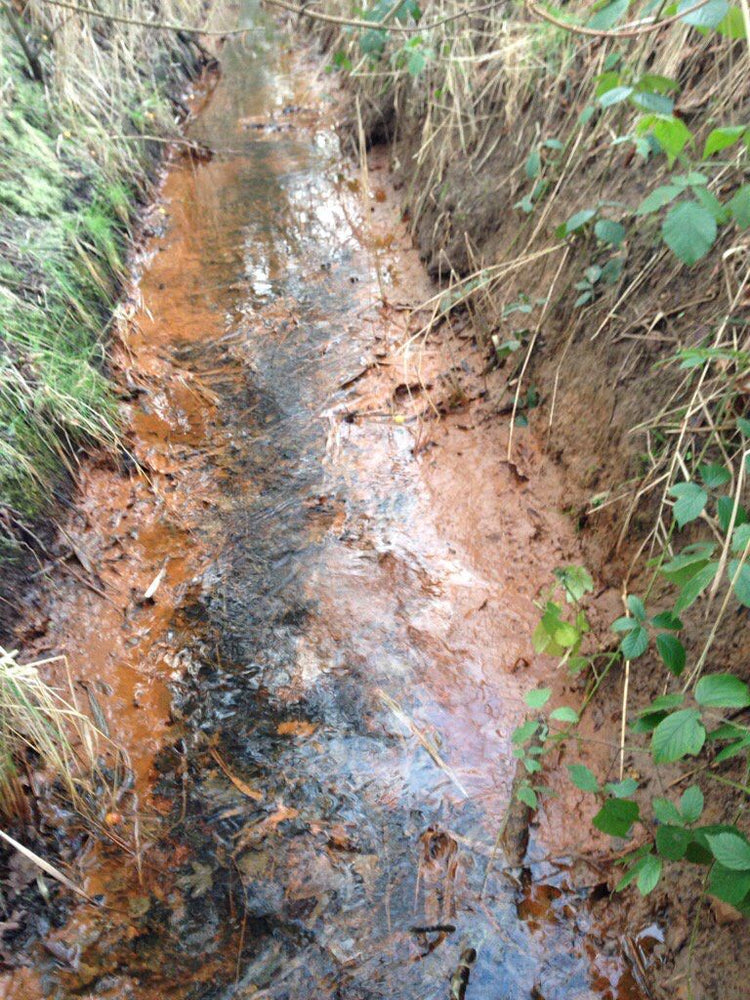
{"x":587,"y":168}
{"x":75,"y":158}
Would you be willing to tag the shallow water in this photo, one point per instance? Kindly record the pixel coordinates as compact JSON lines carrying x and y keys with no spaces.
{"x":319,"y":697}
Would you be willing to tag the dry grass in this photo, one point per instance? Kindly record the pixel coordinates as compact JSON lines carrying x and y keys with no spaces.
{"x":496,"y":87}
{"x":40,"y":724}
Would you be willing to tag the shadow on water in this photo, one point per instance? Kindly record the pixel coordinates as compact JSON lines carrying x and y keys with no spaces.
{"x":345,"y":705}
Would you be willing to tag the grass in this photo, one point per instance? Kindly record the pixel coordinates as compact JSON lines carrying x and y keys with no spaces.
{"x":75,"y":160}
{"x":37,"y":722}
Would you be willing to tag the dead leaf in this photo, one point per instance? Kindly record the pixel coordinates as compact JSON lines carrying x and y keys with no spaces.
{"x":238,"y":783}
{"x":296,"y":727}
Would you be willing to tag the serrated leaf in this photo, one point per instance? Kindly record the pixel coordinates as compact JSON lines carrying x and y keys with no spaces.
{"x":564,"y":714}
{"x":689,"y":230}
{"x":621,"y":789}
{"x":672,"y":842}
{"x":691,"y":591}
{"x":533,"y":164}
{"x":722,"y":138}
{"x":616,"y":817}
{"x":710,"y":15}
{"x":610,"y":232}
{"x":608,"y":15}
{"x":690,"y":501}
{"x":671,"y":133}
{"x":667,"y":619}
{"x":658,"y":198}
{"x":576,"y":580}
{"x":691,"y":804}
{"x":583,"y":778}
{"x":679,"y":735}
{"x":636,"y":607}
{"x":722,"y":691}
{"x":739,"y":207}
{"x":615,"y":95}
{"x":528,"y":796}
{"x":672,"y":653}
{"x":666,"y":812}
{"x":525,"y":732}
{"x":739,"y":574}
{"x":728,"y":885}
{"x":635,"y":643}
{"x":660,"y":104}
{"x":649,"y":874}
{"x":714,"y":475}
{"x":731,"y":850}
{"x":538,"y":698}
{"x":578,"y":220}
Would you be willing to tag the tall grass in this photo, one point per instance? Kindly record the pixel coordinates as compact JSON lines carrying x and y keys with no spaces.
{"x":75,"y":159}
{"x":499,"y":133}
{"x":38,"y":721}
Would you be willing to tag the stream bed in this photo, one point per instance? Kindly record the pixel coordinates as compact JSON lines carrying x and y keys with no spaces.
{"x":317,"y":696}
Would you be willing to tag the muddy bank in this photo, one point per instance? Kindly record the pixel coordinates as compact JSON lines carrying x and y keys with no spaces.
{"x":307,"y":616}
{"x":85,"y":107}
{"x":592,"y":375}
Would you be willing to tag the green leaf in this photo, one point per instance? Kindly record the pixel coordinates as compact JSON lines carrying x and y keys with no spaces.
{"x":635,"y":643}
{"x":666,"y":812}
{"x":583,"y":778}
{"x":616,"y":817}
{"x":679,"y":735}
{"x":714,"y":475}
{"x":743,"y":425}
{"x":691,"y":560}
{"x":709,"y":15}
{"x":660,"y":104}
{"x":672,"y":842}
{"x":740,"y":538}
{"x":606,"y":17}
{"x":739,"y":574}
{"x":615,"y":96}
{"x":533,"y":164}
{"x":649,"y":874}
{"x":671,"y":133}
{"x":667,"y":619}
{"x":636,"y":608}
{"x":722,"y":138}
{"x":722,"y":691}
{"x":689,"y":230}
{"x":610,"y":232}
{"x":731,"y":886}
{"x":579,"y":220}
{"x":576,"y":580}
{"x":690,"y":500}
{"x":733,"y":25}
{"x":525,"y":732}
{"x":739,"y":207}
{"x":621,"y":789}
{"x":624,"y":624}
{"x":538,"y":698}
{"x":672,"y":653}
{"x":658,"y":198}
{"x":664,"y":703}
{"x":731,"y":850}
{"x":691,"y":591}
{"x":564,"y":714}
{"x":691,"y":804}
{"x":528,"y":796}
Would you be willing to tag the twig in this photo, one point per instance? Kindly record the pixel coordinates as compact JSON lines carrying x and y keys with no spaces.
{"x":645,"y":27}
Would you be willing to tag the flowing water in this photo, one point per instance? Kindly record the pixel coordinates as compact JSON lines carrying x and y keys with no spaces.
{"x":318,"y":696}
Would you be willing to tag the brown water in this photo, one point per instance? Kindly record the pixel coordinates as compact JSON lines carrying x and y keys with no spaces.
{"x":318,"y":698}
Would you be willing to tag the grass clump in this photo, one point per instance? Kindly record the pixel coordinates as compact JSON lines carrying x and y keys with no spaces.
{"x":77,"y":150}
{"x":38,"y":721}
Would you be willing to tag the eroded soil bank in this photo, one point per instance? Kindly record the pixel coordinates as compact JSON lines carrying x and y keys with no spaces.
{"x":306,"y":613}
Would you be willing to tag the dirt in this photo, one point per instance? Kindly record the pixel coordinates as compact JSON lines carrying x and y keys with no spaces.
{"x":595,"y":390}
{"x":304,"y":607}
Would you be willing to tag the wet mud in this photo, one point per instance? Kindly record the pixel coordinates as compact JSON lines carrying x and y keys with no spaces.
{"x":306,"y":609}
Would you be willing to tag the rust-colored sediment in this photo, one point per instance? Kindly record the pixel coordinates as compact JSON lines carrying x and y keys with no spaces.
{"x":431,"y":546}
